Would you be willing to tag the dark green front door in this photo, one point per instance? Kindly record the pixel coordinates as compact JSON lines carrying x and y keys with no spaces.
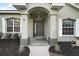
{"x":38,"y":28}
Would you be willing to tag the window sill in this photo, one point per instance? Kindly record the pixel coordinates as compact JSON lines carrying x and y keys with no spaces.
{"x":13,"y":32}
{"x":68,"y":35}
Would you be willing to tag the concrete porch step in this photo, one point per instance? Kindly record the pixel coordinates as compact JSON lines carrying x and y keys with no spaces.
{"x":38,"y":42}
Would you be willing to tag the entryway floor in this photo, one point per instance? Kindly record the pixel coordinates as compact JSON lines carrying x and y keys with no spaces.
{"x":39,"y":50}
{"x":38,"y":42}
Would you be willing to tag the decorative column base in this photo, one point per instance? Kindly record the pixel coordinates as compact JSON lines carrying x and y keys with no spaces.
{"x":23,"y":43}
{"x":52,"y":41}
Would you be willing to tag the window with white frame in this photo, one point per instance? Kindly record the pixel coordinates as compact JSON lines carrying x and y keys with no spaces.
{"x":68,"y":26}
{"x":13,"y":25}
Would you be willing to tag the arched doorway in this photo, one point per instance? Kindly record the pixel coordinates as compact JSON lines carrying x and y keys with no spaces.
{"x":39,"y":16}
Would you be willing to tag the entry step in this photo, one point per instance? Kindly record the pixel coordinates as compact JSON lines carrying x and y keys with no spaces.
{"x":39,"y":42}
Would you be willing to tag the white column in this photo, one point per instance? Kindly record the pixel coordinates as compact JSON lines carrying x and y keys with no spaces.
{"x":53,"y":26}
{"x":77,"y":28}
{"x":24,"y":31}
{"x":60,"y":27}
{"x":53,"y":29}
{"x":24,"y":28}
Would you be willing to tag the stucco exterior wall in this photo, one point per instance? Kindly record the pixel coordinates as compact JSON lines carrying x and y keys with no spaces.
{"x":0,"y":25}
{"x":67,"y":11}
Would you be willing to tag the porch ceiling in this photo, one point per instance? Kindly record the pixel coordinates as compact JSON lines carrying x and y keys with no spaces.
{"x":38,"y":11}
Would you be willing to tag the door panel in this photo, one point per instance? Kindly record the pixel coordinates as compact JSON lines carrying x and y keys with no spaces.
{"x":39,"y":28}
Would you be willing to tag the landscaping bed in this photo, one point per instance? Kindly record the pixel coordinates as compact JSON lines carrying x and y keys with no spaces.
{"x":66,"y":49}
{"x":10,"y":47}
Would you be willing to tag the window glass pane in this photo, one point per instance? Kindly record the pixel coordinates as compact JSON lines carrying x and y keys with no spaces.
{"x":16,"y":25}
{"x":68,"y":31}
{"x":9,"y":29}
{"x":68,"y":23}
{"x":9,"y":25}
{"x":16,"y":29}
{"x":68,"y":27}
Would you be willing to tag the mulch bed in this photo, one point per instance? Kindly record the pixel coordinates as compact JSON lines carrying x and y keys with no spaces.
{"x":66,"y":50}
{"x":10,"y":47}
{"x":53,"y":52}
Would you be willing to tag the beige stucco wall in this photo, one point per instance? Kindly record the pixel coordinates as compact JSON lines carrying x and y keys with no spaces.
{"x":67,"y":11}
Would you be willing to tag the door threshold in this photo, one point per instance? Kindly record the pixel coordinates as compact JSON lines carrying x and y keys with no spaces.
{"x":39,"y":37}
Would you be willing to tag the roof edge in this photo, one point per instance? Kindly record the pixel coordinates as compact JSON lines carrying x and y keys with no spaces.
{"x":9,"y":11}
{"x":73,"y":5}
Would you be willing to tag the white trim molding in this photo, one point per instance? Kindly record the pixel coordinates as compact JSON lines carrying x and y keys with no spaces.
{"x":3,"y":25}
{"x":59,"y":27}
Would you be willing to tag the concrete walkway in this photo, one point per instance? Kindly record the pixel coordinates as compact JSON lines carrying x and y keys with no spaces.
{"x":39,"y":50}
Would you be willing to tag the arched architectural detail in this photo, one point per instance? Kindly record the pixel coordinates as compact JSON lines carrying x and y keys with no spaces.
{"x":39,"y":7}
{"x":39,"y":17}
{"x":69,"y":18}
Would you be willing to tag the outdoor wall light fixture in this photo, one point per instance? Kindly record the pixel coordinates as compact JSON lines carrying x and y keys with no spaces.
{"x":24,"y":19}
